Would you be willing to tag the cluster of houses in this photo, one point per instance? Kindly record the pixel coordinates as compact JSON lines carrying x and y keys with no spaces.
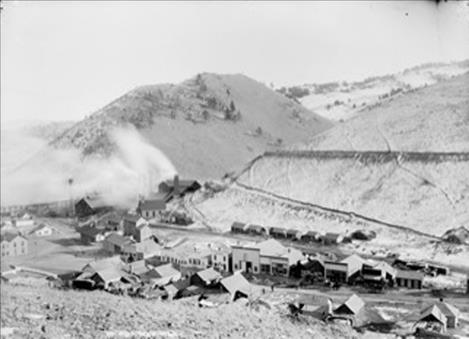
{"x":153,"y":207}
{"x":328,"y":238}
{"x":432,"y":320}
{"x":163,"y":281}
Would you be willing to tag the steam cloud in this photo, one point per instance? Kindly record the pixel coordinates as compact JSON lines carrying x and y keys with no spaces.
{"x":135,"y":169}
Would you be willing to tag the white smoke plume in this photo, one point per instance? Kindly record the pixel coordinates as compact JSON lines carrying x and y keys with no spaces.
{"x":135,"y":169}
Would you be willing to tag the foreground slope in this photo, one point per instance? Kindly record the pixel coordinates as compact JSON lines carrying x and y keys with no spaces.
{"x":207,"y":125}
{"x":42,"y":312}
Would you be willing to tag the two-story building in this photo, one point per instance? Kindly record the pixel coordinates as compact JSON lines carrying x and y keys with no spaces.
{"x":267,"y":257}
{"x":13,"y":245}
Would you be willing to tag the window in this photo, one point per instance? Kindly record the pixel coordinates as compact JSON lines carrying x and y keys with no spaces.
{"x":224,"y":258}
{"x":255,"y":268}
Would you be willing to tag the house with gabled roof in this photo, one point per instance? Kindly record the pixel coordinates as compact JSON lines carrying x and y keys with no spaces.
{"x":115,"y":243}
{"x":451,"y":313}
{"x":206,"y":278}
{"x":101,"y":264}
{"x":162,"y":275}
{"x":136,"y":267}
{"x":141,"y":250}
{"x":151,"y":208}
{"x":137,"y":228}
{"x":237,"y":286}
{"x":433,"y":315}
{"x":43,"y":230}
{"x":345,"y":270}
{"x":352,"y":306}
{"x":373,"y":270}
{"x":90,"y":205}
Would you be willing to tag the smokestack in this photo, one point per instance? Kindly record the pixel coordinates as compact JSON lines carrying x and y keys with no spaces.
{"x":176,"y":185}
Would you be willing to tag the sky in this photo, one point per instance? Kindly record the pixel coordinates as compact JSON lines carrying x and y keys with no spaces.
{"x":63,"y":60}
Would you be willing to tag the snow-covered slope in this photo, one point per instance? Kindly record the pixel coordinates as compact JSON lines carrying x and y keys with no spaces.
{"x":343,"y":100}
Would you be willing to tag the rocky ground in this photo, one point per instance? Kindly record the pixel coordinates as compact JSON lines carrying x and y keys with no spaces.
{"x":42,"y":312}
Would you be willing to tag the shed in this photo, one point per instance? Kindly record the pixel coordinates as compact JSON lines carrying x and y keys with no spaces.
{"x":237,"y":227}
{"x":310,"y":236}
{"x":433,"y":315}
{"x":278,"y":232}
{"x":256,"y":230}
{"x":409,"y":279}
{"x":332,"y":238}
{"x":237,"y":286}
{"x":352,"y":306}
{"x":293,"y":234}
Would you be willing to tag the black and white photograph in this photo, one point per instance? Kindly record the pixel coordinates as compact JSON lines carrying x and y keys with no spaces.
{"x":234,"y":169}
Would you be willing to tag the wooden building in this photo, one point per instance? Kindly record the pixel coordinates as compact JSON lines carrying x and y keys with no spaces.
{"x":409,"y":279}
{"x":13,"y":245}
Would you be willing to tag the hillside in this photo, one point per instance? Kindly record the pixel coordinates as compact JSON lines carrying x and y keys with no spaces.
{"x":435,"y":118}
{"x":33,"y":312}
{"x":343,"y":100}
{"x":307,"y":189}
{"x":207,"y":126}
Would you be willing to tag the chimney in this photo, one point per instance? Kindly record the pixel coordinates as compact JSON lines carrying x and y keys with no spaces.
{"x":176,"y":185}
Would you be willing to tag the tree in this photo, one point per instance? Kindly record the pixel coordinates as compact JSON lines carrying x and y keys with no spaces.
{"x":205,"y":114}
{"x":232,"y":106}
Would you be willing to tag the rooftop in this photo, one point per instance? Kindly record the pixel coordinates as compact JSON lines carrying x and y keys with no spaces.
{"x":117,"y":239}
{"x":414,"y":275}
{"x":235,"y":283}
{"x":209,"y":275}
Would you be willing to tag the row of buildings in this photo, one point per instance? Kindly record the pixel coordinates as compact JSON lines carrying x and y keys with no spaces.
{"x":328,"y":238}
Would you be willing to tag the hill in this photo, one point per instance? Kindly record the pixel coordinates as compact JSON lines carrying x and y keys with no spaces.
{"x":434,"y":119}
{"x":342,"y":100}
{"x":409,"y":199}
{"x":207,"y":126}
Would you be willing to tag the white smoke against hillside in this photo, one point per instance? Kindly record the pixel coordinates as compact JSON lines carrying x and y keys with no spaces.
{"x":135,"y":169}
